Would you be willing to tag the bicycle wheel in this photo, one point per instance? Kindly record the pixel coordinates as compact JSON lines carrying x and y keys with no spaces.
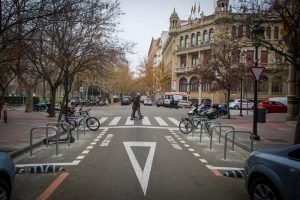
{"x":93,"y":123}
{"x":72,"y":123}
{"x":185,"y":126}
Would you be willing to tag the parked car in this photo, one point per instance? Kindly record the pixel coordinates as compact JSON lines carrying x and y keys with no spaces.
{"x":184,"y":104}
{"x":7,"y":175}
{"x":125,"y":100}
{"x":160,"y":102}
{"x":40,"y":106}
{"x":148,"y":102}
{"x":274,"y":174}
{"x":236,"y":103}
{"x":272,"y":106}
{"x":143,"y":98}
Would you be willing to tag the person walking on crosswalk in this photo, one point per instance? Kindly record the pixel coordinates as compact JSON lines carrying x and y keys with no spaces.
{"x":136,"y":106}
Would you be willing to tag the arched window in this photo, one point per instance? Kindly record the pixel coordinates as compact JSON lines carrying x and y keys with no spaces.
{"x":181,"y":42}
{"x":198,"y":38}
{"x":186,"y":41}
{"x":233,"y":32}
{"x":205,"y":37}
{"x":268,"y":33}
{"x":276,"y":33}
{"x":193,"y":39}
{"x":240,"y":31}
{"x":277,"y":84}
{"x":194,"y":84}
{"x":211,"y":35}
{"x":183,"y":85}
{"x":205,"y":87}
{"x":263,"y":84}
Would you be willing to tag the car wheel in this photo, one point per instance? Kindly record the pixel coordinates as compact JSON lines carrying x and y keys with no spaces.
{"x":263,"y":189}
{"x":4,"y":190}
{"x":236,"y":107}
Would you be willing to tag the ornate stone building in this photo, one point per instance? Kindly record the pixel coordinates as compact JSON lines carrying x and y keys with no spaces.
{"x":191,"y":41}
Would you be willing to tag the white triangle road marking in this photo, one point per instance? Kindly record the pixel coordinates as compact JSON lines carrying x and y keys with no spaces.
{"x":142,"y":175}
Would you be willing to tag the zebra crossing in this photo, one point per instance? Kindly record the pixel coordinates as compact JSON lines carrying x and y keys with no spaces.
{"x":146,"y":121}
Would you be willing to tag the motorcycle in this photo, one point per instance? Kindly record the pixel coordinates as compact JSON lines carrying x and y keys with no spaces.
{"x":203,"y":111}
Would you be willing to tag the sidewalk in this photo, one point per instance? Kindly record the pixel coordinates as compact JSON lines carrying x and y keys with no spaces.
{"x":14,"y":135}
{"x":275,"y":132}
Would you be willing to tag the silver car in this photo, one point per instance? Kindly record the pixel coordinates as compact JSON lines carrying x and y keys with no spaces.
{"x":274,"y":174}
{"x":236,"y":103}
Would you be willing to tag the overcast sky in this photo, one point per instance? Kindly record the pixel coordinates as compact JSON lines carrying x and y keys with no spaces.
{"x":145,"y":19}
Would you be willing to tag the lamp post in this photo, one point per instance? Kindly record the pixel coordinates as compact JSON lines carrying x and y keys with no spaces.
{"x":241,"y":94}
{"x":257,"y":32}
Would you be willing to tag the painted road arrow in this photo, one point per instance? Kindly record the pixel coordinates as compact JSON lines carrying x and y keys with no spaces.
{"x":142,"y":175}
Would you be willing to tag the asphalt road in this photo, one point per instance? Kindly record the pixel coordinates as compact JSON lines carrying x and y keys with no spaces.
{"x":130,"y":162}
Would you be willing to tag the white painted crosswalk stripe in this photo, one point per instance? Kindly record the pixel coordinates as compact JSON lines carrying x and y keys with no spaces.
{"x":175,"y":121}
{"x":115,"y":121}
{"x":129,"y":122}
{"x":103,"y":119}
{"x":160,"y":121}
{"x":146,"y":121}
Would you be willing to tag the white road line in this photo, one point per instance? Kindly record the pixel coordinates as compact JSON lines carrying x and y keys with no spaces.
{"x":203,"y":160}
{"x":129,"y":122}
{"x":115,"y":121}
{"x":190,"y":149}
{"x":178,"y":138}
{"x":96,"y":140}
{"x":85,"y":152}
{"x":90,"y":147}
{"x":101,"y":134}
{"x":93,"y":143}
{"x":183,"y":142}
{"x":174,"y":133}
{"x":161,"y":122}
{"x":75,"y":162}
{"x":223,"y":168}
{"x":186,"y":145}
{"x":172,"y":119}
{"x":102,"y":120}
{"x":146,"y":121}
{"x":80,"y":157}
{"x":196,"y":154}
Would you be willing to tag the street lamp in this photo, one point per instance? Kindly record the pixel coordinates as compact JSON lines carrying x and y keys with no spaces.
{"x":257,"y":33}
{"x":241,"y":93}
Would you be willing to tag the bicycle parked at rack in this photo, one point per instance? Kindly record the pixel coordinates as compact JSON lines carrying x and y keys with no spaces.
{"x":188,"y":124}
{"x":74,"y":119}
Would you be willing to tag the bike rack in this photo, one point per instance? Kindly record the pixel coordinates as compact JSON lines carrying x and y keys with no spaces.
{"x":209,"y":122}
{"x":220,"y":129}
{"x":235,"y":131}
{"x":60,"y":123}
{"x":193,"y":125}
{"x":44,"y":127}
{"x":78,"y":120}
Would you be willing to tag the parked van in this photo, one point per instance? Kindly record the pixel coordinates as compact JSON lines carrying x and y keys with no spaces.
{"x":282,"y":100}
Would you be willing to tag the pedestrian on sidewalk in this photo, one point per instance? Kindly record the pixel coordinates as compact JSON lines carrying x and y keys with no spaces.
{"x":136,"y":106}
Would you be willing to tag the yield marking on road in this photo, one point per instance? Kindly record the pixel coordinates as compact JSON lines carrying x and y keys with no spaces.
{"x":173,"y":142}
{"x":146,"y":121}
{"x":142,"y":175}
{"x":172,"y":119}
{"x":160,"y":121}
{"x":196,"y":154}
{"x":129,"y":122}
{"x":85,"y":152}
{"x":103,"y":119}
{"x":191,"y":149}
{"x":115,"y":121}
{"x":80,"y":157}
{"x":203,"y":160}
{"x":186,"y":145}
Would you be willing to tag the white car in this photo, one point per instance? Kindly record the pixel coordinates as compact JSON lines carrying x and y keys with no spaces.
{"x":236,"y":103}
{"x":148,"y":102}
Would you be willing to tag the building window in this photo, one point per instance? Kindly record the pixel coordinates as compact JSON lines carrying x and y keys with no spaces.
{"x":205,"y":37}
{"x":183,"y":85}
{"x":211,"y":35}
{"x":236,"y":56}
{"x":277,"y":84}
{"x":268,"y":33}
{"x":207,"y":56}
{"x":250,"y":57}
{"x":240,"y":31}
{"x":276,"y":33}
{"x":233,"y":32}
{"x":278,"y":58}
{"x":205,"y":87}
{"x":248,"y":31}
{"x":194,"y":59}
{"x":181,"y":42}
{"x":264,"y":57}
{"x":194,"y":84}
{"x":193,"y":39}
{"x":198,"y":38}
{"x":263,"y":84}
{"x":183,"y":61}
{"x":186,"y":41}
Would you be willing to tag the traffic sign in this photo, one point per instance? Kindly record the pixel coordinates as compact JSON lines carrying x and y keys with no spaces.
{"x":257,"y":72}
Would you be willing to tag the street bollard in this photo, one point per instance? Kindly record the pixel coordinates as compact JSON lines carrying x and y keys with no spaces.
{"x":5,"y":116}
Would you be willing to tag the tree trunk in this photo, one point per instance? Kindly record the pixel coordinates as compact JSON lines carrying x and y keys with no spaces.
{"x":52,"y":102}
{"x":227,"y":103}
{"x":2,"y":95}
{"x":297,"y":130}
{"x":29,"y":100}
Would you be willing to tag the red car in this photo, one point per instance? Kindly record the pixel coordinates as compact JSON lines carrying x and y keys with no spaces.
{"x":272,"y":106}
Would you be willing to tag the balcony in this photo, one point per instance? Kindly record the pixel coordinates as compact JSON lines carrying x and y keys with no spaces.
{"x":193,"y":48}
{"x":181,"y":70}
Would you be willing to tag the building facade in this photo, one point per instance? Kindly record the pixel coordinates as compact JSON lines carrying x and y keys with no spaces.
{"x":191,"y":42}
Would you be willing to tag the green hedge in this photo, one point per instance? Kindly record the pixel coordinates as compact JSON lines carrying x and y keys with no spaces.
{"x":19,"y":100}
